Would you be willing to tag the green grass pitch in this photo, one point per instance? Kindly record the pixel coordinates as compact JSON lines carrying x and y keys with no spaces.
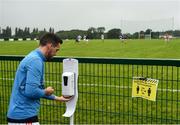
{"x":97,"y":48}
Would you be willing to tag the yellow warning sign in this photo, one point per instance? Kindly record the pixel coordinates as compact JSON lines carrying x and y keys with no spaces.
{"x":145,"y":88}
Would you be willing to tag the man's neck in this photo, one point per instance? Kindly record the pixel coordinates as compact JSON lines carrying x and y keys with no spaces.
{"x":43,"y":50}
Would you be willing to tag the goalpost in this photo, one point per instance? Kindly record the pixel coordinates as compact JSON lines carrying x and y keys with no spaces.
{"x":156,"y":25}
{"x":147,"y":36}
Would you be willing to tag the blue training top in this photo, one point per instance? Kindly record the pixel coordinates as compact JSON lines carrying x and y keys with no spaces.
{"x":28,"y":87}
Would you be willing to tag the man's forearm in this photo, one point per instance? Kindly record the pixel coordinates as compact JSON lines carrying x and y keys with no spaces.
{"x":32,"y":91}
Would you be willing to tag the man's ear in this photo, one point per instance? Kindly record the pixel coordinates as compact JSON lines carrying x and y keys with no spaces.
{"x":49,"y":45}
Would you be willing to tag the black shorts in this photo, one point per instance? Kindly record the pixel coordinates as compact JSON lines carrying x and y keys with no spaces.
{"x":27,"y":120}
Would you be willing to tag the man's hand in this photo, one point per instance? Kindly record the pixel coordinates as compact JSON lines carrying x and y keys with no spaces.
{"x":62,"y":98}
{"x":49,"y":90}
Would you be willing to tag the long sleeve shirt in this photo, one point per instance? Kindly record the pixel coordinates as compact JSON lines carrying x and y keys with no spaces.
{"x":28,"y":87}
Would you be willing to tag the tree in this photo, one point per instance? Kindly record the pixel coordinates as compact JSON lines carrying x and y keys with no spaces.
{"x":100,"y":30}
{"x":135,"y":35}
{"x":26,"y":32}
{"x":0,"y":33}
{"x":6,"y":33}
{"x":169,"y":32}
{"x":155,"y":35}
{"x":16,"y":32}
{"x":34,"y":33}
{"x":113,"y":33}
{"x":148,"y":31}
{"x":92,"y":33}
{"x":51,"y":30}
{"x":128,"y":35}
{"x":72,"y":34}
{"x":176,"y":33}
{"x":141,"y":34}
{"x":19,"y":33}
{"x":41,"y":33}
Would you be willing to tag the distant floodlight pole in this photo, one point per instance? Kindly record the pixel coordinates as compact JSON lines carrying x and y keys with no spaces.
{"x":121,"y":25}
{"x":173,"y":23}
{"x":139,"y":34}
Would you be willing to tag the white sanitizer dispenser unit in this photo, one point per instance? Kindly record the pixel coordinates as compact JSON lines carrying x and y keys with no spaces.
{"x":70,"y":86}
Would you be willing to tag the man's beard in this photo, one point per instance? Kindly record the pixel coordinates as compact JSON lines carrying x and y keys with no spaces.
{"x":49,"y":57}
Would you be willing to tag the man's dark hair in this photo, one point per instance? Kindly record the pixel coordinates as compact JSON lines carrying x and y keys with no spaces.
{"x":50,"y":38}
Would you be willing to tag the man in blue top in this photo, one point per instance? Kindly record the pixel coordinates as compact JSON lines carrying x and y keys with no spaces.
{"x":28,"y":85}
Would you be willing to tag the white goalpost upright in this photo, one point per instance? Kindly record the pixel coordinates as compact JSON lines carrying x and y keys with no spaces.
{"x":132,"y":26}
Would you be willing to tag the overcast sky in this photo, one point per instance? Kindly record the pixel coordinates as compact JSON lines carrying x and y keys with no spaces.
{"x":129,"y":15}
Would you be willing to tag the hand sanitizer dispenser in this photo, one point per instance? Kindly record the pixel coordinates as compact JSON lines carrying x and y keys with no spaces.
{"x":68,"y":84}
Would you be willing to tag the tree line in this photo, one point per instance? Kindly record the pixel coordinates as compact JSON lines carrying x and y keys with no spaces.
{"x":91,"y":33}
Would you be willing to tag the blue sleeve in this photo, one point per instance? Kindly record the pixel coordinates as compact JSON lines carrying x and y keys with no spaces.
{"x":51,"y":97}
{"x":33,"y":79}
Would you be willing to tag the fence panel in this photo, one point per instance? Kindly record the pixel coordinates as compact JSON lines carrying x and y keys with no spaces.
{"x":105,"y":91}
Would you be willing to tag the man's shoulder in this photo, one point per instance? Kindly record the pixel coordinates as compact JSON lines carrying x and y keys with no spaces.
{"x":32,"y":57}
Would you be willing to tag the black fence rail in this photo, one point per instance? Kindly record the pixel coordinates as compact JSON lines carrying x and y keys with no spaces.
{"x":105,"y":91}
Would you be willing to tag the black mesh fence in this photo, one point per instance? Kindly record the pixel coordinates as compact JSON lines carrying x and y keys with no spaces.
{"x":105,"y":91}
